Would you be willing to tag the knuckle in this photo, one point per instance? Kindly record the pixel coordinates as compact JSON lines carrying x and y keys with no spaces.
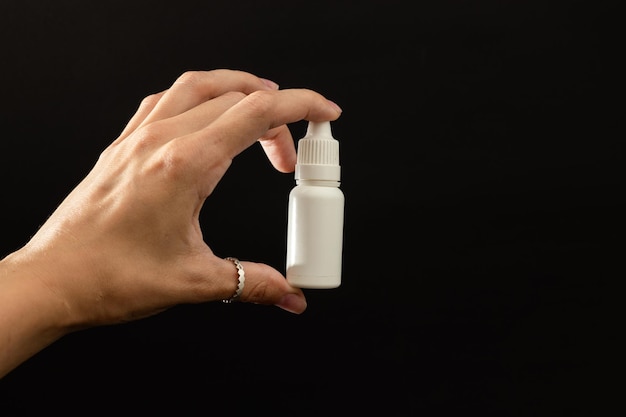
{"x":107,"y":152}
{"x":258,"y":293}
{"x":188,"y":78}
{"x":167,"y":164}
{"x":151,"y":100}
{"x":147,"y":136}
{"x":259,"y":102}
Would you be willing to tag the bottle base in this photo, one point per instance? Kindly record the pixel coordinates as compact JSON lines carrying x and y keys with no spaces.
{"x":313,"y":283}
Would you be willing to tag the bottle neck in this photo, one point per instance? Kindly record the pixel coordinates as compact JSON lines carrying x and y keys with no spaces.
{"x":318,"y":183}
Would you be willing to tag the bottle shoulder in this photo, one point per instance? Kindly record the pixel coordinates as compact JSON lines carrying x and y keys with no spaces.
{"x":310,"y":191}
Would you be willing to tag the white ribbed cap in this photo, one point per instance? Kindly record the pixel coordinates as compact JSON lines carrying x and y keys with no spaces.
{"x":318,"y":154}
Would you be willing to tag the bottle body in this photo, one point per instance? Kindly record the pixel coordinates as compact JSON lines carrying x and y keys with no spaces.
{"x":315,"y":234}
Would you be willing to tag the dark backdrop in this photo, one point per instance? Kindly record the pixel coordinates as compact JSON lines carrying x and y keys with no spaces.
{"x":483,"y":185}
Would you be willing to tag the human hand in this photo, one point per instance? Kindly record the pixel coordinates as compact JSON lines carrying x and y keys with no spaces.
{"x":126,"y":243}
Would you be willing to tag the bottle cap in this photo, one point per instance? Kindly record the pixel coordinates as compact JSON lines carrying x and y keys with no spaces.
{"x":318,"y":154}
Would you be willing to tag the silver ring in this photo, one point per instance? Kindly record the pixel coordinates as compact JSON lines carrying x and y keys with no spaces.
{"x":241,"y":280}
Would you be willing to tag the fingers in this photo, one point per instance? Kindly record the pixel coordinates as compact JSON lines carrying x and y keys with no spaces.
{"x":145,"y":107}
{"x":280,"y":148}
{"x":265,"y":285}
{"x":230,"y":109}
{"x":254,"y":117}
{"x":195,"y":87}
{"x":262,"y":285}
{"x":192,"y":120}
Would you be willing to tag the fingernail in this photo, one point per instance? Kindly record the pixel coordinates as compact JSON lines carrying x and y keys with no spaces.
{"x":292,"y":303}
{"x":334,"y":106}
{"x":271,"y":84}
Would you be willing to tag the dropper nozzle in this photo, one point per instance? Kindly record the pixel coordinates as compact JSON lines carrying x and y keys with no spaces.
{"x":319,"y":130}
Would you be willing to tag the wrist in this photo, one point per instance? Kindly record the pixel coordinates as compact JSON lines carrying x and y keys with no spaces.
{"x":32,"y":314}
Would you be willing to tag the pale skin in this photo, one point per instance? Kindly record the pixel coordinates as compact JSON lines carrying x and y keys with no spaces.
{"x":126,"y":243}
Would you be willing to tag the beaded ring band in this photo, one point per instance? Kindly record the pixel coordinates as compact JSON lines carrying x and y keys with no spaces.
{"x":241,"y":280}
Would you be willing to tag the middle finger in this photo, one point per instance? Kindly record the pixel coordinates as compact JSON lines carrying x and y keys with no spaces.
{"x":196,"y":118}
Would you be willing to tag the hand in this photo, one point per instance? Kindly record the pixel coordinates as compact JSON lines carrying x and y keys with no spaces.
{"x":126,"y":243}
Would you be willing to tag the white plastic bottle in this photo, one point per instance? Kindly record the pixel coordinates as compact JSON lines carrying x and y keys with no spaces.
{"x":316,"y":212}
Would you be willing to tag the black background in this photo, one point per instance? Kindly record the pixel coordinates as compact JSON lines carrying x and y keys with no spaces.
{"x":483,"y":181}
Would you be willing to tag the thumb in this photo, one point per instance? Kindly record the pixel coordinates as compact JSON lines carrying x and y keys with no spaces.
{"x":263,"y":284}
